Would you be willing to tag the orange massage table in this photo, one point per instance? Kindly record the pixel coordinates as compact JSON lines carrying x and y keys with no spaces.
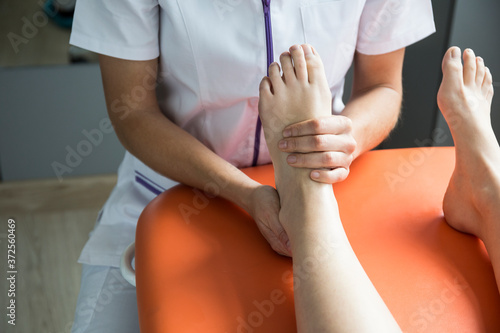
{"x":203,"y":266}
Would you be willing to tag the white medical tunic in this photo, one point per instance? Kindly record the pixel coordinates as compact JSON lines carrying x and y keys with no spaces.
{"x":212,"y":57}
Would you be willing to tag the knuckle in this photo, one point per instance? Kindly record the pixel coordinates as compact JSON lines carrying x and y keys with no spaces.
{"x":300,"y":159}
{"x":329,"y":158}
{"x":352,"y":145}
{"x":347,"y":123}
{"x":347,"y":159}
{"x":319,"y":142}
{"x":318,"y":125}
{"x":295,"y":130}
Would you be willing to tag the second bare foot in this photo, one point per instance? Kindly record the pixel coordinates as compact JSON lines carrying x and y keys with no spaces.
{"x":465,"y":98}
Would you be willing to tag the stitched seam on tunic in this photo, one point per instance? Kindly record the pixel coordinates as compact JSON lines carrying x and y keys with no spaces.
{"x":197,"y":65}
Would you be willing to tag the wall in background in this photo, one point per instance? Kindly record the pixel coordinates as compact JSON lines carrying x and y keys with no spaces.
{"x":52,"y":118}
{"x":421,"y":77}
{"x":476,"y":25}
{"x":53,"y":123}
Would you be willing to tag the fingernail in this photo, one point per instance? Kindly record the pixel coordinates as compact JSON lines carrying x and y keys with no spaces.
{"x":315,"y":174}
{"x":287,"y":133}
{"x":291,"y":159}
{"x":480,"y":59}
{"x":283,"y":144}
{"x":455,"y":53}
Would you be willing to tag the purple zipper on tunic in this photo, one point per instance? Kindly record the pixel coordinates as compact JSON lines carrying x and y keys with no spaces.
{"x":266,"y":4}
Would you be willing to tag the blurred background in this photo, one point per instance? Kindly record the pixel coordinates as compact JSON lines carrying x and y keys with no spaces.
{"x":58,"y":158}
{"x":52,"y":93}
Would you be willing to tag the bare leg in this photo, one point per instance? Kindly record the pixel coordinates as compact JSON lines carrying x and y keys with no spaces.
{"x":472,"y":200}
{"x":334,"y":294}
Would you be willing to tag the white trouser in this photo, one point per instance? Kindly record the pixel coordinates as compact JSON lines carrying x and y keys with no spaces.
{"x":106,"y":302}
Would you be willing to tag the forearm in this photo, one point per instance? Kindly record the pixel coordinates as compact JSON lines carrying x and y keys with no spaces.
{"x":374,"y":113}
{"x":176,"y":154}
{"x":162,"y":145}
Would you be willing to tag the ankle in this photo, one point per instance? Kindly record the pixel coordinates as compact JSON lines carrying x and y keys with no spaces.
{"x":307,"y":205}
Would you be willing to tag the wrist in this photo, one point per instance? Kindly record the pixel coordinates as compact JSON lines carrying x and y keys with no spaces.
{"x":241,"y":192}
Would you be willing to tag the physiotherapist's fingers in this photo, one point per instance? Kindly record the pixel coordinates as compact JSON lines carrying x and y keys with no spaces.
{"x":299,"y":62}
{"x":328,"y":160}
{"x":320,"y":125}
{"x":284,"y":242}
{"x":318,"y":143}
{"x":287,"y":67}
{"x":277,"y":239}
{"x":330,"y":176}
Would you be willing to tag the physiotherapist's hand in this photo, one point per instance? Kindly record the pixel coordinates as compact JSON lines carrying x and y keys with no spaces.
{"x":264,"y":208}
{"x":325,"y":145}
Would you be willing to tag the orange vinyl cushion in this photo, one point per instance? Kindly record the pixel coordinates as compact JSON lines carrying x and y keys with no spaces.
{"x":203,"y":266}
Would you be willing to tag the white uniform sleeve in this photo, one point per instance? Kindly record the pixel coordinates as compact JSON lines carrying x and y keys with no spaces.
{"x":126,"y":29}
{"x":389,"y":25}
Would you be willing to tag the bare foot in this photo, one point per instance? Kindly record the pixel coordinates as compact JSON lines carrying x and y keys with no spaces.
{"x":473,"y":195}
{"x":336,"y":296}
{"x":299,"y":94}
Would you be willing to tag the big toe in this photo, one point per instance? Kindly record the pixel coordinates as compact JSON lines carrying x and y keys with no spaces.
{"x":452,"y":69}
{"x":315,"y":68}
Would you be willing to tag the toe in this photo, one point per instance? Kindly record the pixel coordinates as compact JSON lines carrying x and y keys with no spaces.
{"x":487,"y":87}
{"x":314,"y":64}
{"x":469,"y":67}
{"x":275,"y":76}
{"x":299,"y":62}
{"x":480,"y":71}
{"x":265,"y":88}
{"x":452,"y":68}
{"x":286,"y":65}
